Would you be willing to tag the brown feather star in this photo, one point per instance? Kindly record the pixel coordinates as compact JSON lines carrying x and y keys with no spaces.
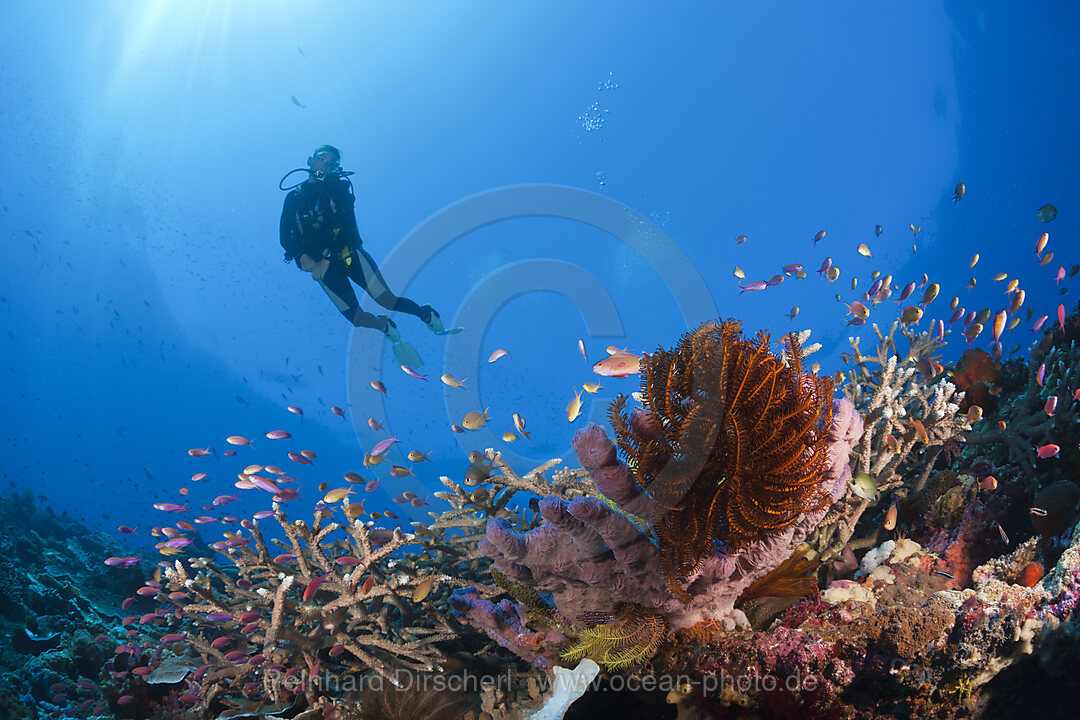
{"x":732,"y":445}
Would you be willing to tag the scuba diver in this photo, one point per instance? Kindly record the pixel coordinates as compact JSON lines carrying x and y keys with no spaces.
{"x":318,"y":230}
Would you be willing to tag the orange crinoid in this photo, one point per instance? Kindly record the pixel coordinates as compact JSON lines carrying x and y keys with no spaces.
{"x":733,"y":443}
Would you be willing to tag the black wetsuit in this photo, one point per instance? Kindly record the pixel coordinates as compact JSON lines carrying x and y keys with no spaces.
{"x":317,"y":219}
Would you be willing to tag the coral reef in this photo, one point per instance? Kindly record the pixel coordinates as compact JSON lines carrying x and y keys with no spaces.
{"x":909,"y":423}
{"x":602,"y":555}
{"x":1026,"y":422}
{"x":717,"y":538}
{"x":59,"y":608}
{"x":336,"y":600}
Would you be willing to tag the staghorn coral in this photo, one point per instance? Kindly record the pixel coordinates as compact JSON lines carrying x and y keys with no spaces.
{"x":459,"y":530}
{"x":341,"y":600}
{"x":886,"y":389}
{"x":731,"y":446}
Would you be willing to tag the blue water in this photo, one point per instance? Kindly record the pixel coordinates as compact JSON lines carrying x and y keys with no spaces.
{"x":541,"y":174}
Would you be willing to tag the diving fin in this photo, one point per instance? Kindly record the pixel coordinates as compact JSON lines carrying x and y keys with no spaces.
{"x":405,"y":354}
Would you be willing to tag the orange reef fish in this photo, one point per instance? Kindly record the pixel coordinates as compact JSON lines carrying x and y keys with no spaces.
{"x":618,"y":365}
{"x":890,"y":518}
{"x":519,"y":423}
{"x":337,"y":494}
{"x":475,"y":419}
{"x":376,"y":385}
{"x":574,"y":408}
{"x":452,"y":381}
{"x":1047,"y":451}
{"x":1040,"y":244}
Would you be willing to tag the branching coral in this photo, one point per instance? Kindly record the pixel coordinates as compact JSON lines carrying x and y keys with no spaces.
{"x":1055,"y":373}
{"x":910,"y":422}
{"x":732,"y":445}
{"x":337,"y":598}
{"x":459,"y":530}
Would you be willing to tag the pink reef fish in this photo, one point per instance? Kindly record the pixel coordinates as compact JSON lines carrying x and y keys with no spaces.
{"x":376,"y":385}
{"x":384,"y":445}
{"x":123,"y":561}
{"x":1061,"y":317}
{"x":278,"y":435}
{"x":337,"y":411}
{"x":294,"y":410}
{"x":313,"y":586}
{"x":412,"y":373}
{"x":1051,"y":405}
{"x":1039,"y":323}
{"x":825,"y":265}
{"x":754,"y":287}
{"x":298,"y":458}
{"x":170,"y":507}
{"x":906,"y":292}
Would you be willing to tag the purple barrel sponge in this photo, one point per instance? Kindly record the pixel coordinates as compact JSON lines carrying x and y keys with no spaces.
{"x":591,"y":557}
{"x":505,"y":624}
